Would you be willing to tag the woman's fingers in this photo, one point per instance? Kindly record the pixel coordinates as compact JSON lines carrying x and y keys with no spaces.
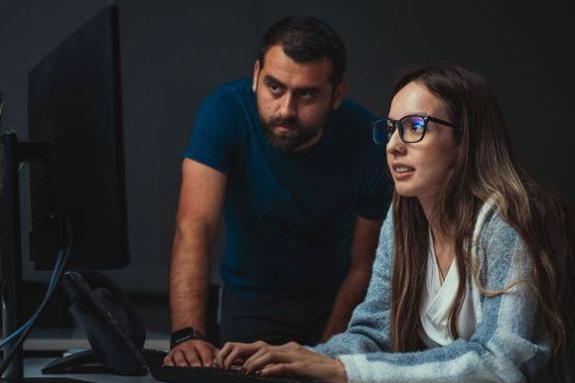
{"x":288,"y":359}
{"x":282,"y":369}
{"x":233,"y":352}
{"x":263,"y":358}
{"x":288,"y":352}
{"x":236,"y":352}
{"x":298,"y":361}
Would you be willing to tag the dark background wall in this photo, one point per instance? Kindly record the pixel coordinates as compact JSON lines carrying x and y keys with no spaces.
{"x":175,"y":52}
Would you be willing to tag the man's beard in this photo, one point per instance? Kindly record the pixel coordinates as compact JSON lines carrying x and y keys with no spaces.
{"x":297,"y":135}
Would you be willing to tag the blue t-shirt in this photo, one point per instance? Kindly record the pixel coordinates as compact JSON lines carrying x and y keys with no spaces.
{"x":289,"y":216}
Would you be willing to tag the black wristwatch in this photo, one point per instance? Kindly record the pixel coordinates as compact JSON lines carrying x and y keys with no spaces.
{"x":185,"y":334}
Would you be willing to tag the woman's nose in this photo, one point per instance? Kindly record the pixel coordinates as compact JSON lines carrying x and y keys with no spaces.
{"x":395,"y":146}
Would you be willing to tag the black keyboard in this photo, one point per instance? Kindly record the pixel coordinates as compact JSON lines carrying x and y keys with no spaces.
{"x":154,"y":361}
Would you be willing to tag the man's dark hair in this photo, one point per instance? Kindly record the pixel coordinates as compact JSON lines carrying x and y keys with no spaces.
{"x":306,"y":39}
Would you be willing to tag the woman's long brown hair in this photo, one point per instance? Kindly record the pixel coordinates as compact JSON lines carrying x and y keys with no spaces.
{"x":483,"y":169}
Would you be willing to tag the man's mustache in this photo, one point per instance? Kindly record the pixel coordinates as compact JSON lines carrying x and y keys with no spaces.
{"x":290,"y":122}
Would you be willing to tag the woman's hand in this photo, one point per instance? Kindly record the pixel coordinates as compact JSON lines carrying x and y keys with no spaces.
{"x":290,"y":359}
{"x":235,"y":353}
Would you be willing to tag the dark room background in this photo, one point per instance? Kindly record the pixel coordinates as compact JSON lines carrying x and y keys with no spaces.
{"x":174,"y":52}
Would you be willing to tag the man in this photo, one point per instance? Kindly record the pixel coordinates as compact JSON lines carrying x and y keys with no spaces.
{"x":303,"y":191}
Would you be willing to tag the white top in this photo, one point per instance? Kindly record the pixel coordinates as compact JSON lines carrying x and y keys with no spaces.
{"x":436,"y":304}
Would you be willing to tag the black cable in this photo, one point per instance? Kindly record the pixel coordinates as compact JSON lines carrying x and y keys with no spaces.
{"x":8,"y":358}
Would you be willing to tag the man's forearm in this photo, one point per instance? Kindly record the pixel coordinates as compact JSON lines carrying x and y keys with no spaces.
{"x":189,"y":280}
{"x":350,"y":294}
{"x":354,"y":287}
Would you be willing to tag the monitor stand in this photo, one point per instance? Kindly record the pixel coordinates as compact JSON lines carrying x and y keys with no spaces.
{"x":15,"y":153}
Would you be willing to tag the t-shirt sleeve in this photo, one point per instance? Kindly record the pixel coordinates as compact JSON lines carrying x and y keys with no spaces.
{"x":373,"y":186}
{"x":213,"y":133}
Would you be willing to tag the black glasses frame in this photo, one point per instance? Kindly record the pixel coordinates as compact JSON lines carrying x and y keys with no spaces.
{"x":391,"y":125}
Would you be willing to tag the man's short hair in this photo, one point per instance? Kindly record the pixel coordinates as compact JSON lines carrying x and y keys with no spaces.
{"x":306,"y":39}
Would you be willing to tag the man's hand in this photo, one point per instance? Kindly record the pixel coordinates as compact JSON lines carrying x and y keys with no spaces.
{"x":290,"y":359}
{"x":192,"y":353}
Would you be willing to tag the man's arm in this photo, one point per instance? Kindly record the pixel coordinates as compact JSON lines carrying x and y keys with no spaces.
{"x":352,"y":291}
{"x":201,"y":195}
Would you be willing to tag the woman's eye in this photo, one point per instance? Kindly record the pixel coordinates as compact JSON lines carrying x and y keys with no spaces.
{"x":416,"y":126}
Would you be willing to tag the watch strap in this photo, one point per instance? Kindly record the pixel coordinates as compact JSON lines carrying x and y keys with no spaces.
{"x":185,"y":334}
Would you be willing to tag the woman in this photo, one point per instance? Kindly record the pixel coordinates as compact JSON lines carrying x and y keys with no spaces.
{"x":471,"y":277}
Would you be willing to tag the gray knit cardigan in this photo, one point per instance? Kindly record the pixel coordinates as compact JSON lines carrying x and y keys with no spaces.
{"x":508,"y":344}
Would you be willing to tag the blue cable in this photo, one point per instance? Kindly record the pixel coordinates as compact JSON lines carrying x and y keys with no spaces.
{"x":51,"y":287}
{"x":61,"y":264}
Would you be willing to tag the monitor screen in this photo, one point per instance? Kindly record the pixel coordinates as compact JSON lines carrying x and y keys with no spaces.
{"x":74,"y":105}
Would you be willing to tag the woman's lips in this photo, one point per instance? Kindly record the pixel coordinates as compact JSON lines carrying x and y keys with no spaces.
{"x":402,"y":172}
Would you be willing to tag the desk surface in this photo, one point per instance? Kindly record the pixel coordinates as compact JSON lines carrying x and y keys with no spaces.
{"x":33,"y":369}
{"x":54,"y":340}
{"x":65,"y":339}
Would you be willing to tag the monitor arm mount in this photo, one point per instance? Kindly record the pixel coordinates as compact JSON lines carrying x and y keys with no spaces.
{"x":15,"y":154}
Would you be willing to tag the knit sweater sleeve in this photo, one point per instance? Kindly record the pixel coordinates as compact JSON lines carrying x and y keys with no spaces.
{"x":508,"y":344}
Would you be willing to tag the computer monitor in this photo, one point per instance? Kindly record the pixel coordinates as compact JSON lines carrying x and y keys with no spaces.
{"x":74,"y":105}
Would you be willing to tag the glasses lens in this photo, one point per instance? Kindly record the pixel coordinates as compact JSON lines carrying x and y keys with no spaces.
{"x":379,"y":132}
{"x":413,"y":128}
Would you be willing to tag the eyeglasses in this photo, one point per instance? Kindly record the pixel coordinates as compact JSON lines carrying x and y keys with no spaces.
{"x":411,"y":128}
